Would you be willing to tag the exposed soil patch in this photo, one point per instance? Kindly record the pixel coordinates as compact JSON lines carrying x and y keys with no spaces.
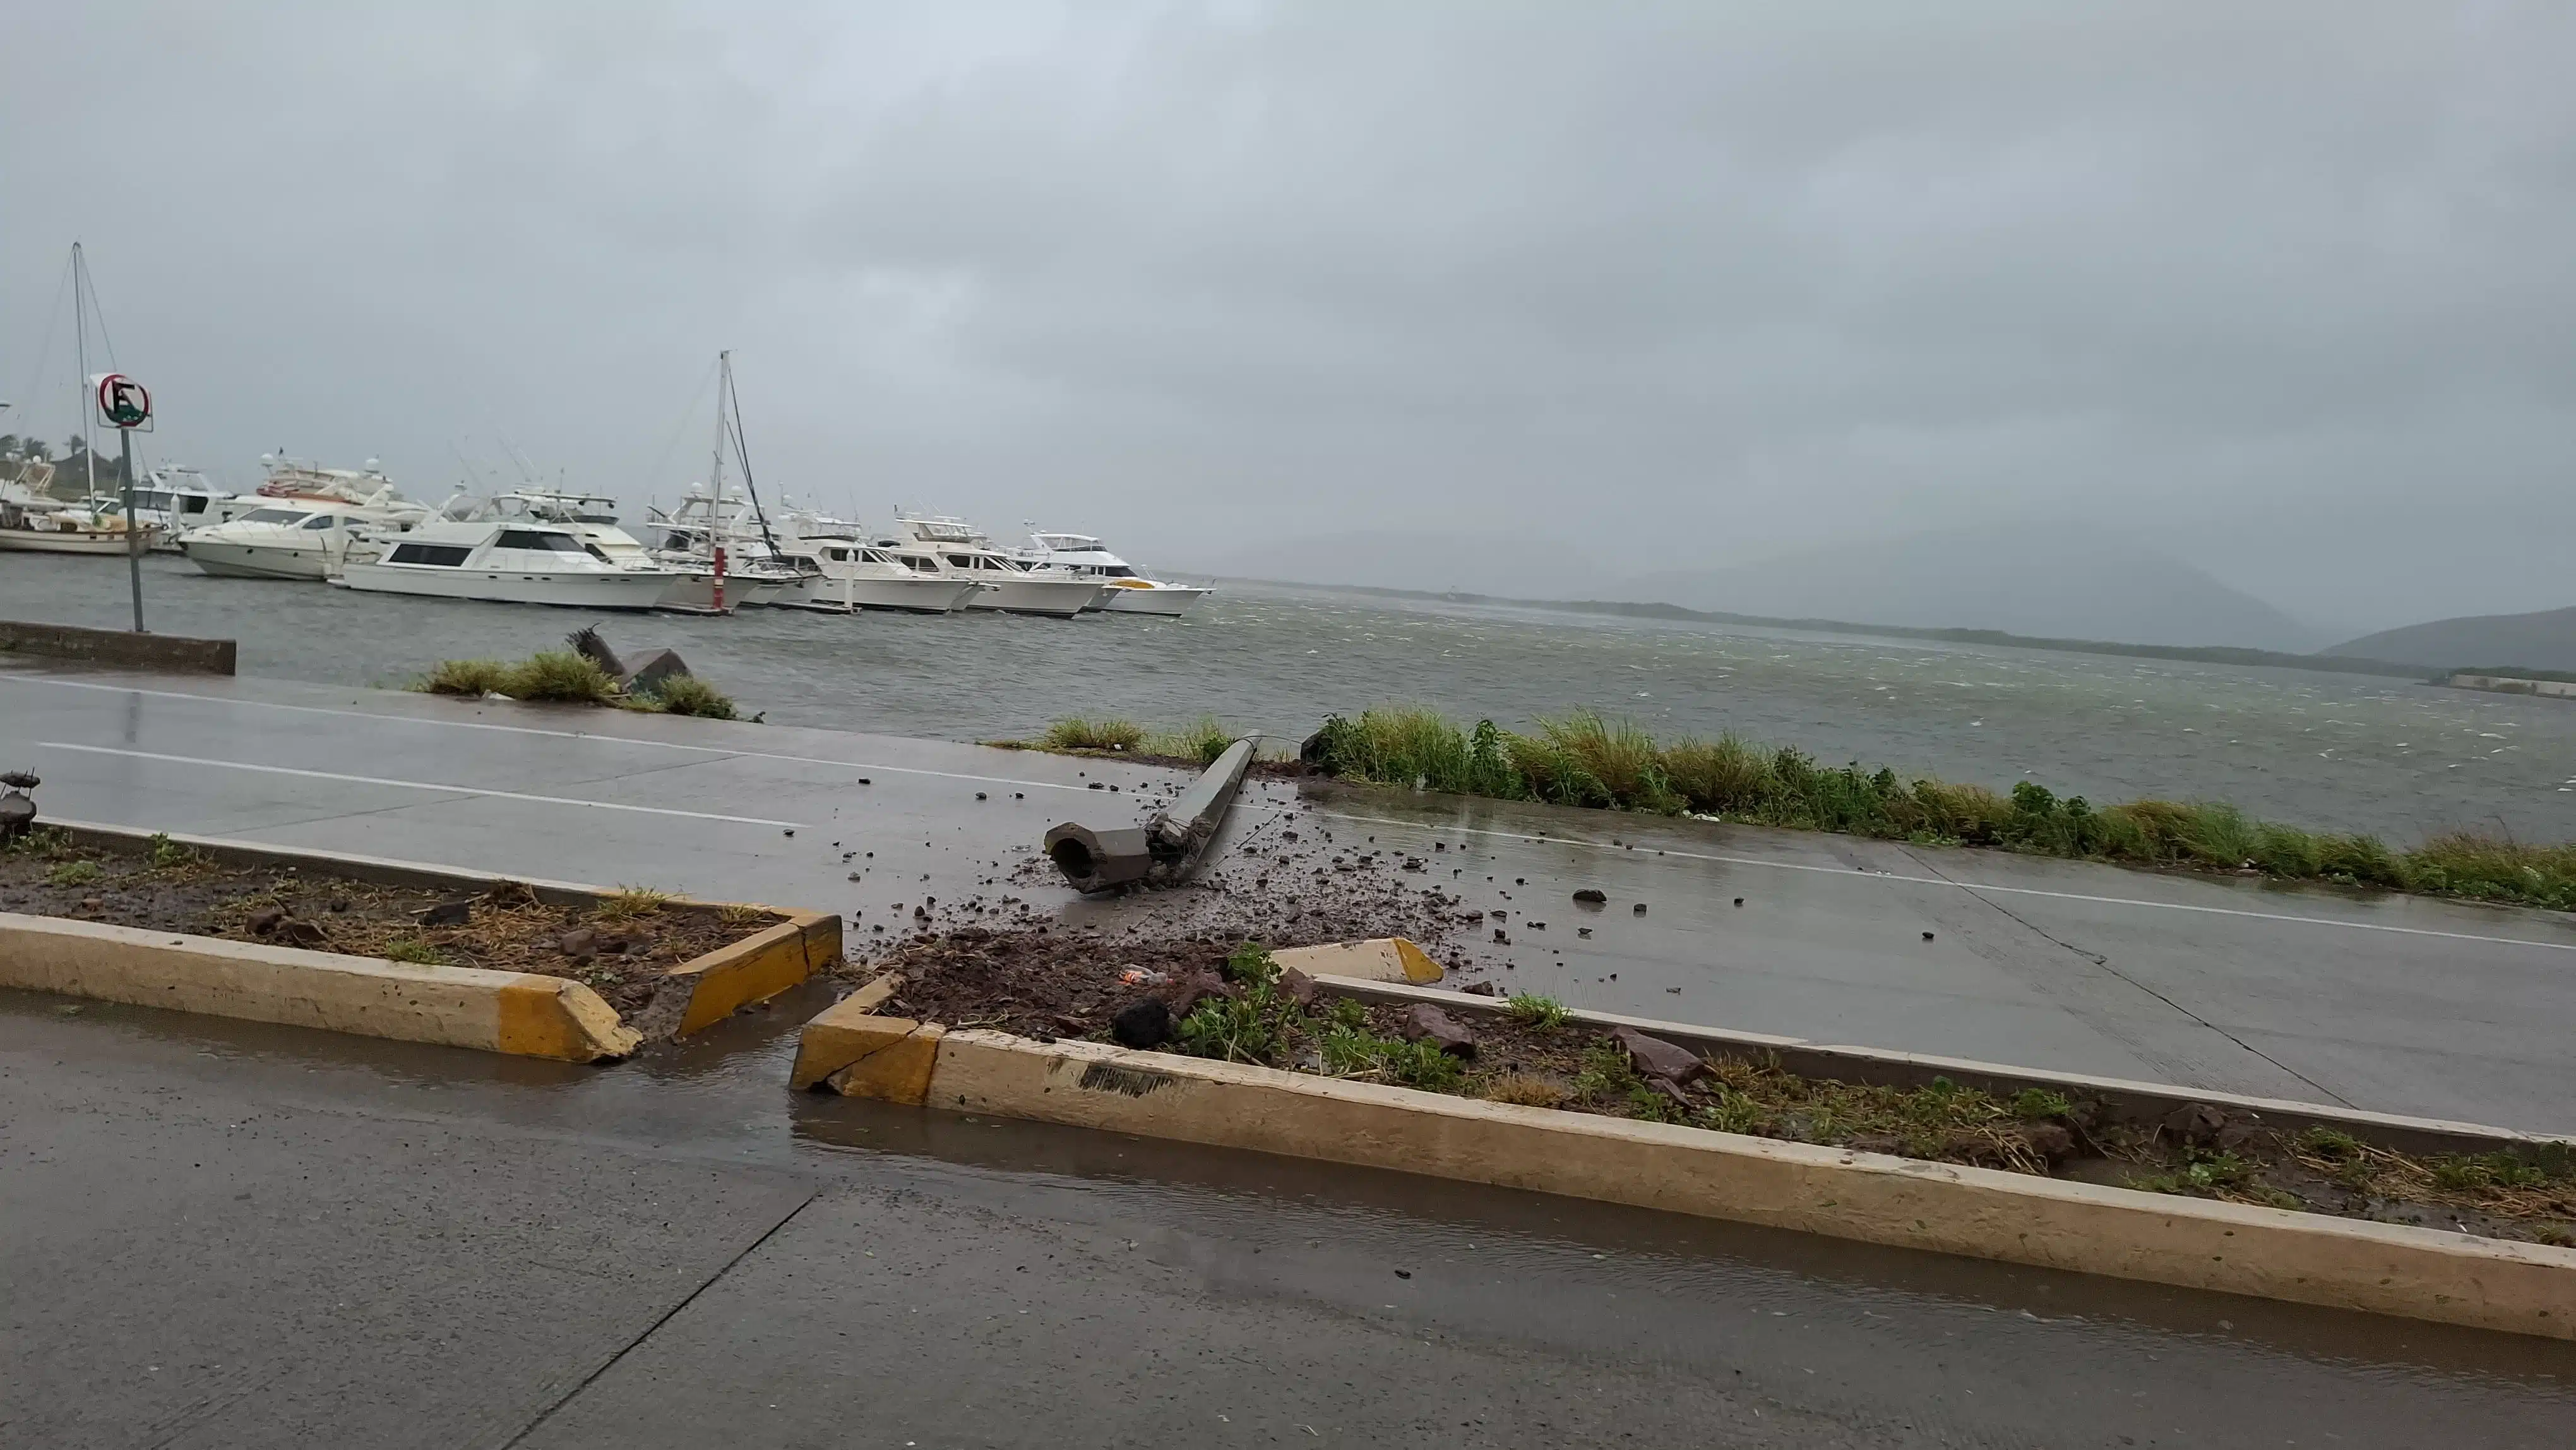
{"x":620,"y":948}
{"x":1215,"y":999}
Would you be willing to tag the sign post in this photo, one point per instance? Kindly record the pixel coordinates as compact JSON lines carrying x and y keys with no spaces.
{"x":124,"y":404}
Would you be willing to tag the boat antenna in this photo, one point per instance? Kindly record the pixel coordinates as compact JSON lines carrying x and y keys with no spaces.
{"x":732,"y":401}
{"x":80,"y":380}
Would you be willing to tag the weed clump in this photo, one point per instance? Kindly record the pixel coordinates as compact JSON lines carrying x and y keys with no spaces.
{"x":1075,"y":732}
{"x":474,"y":678}
{"x":685,"y":695}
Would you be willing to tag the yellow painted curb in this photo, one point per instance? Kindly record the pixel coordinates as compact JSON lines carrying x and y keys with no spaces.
{"x":513,"y":1012}
{"x":846,"y":1032}
{"x":897,"y":1072}
{"x":1380,"y":959}
{"x":1875,"y":1198}
{"x":758,"y":967}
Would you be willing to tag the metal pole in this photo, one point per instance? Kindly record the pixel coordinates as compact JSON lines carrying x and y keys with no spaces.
{"x":133,"y":534}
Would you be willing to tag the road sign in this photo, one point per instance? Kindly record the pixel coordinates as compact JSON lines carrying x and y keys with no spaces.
{"x":122,"y":401}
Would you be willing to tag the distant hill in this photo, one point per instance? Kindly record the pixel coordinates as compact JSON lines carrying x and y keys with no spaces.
{"x":2060,"y":587}
{"x":2543,"y":641}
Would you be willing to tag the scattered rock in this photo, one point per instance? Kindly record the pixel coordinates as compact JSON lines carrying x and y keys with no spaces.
{"x":448,"y":913}
{"x":1590,"y":897}
{"x":979,"y":795}
{"x":1501,"y":937}
{"x":300,"y":933}
{"x":1927,"y":936}
{"x":1426,"y":1023}
{"x":581,"y":941}
{"x":1142,"y":1024}
{"x":2196,"y":1125}
{"x":1189,"y":989}
{"x":1583,"y":931}
{"x":2049,"y":1141}
{"x":1481,"y":989}
{"x":92,"y":903}
{"x":2238,"y":1133}
{"x":1653,"y":1057}
{"x":1738,"y":901}
{"x":266,"y":920}
{"x":1297,"y":987}
{"x":1640,"y":908}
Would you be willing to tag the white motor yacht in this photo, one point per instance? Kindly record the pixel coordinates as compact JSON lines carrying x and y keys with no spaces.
{"x":1123,"y":590}
{"x":956,"y":549}
{"x":307,"y":539}
{"x":506,"y":563}
{"x":592,"y":518}
{"x":851,"y":574}
{"x":757,"y":568}
{"x":171,"y":501}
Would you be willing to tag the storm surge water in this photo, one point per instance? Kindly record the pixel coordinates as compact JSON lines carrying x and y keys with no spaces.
{"x":2329,"y":752}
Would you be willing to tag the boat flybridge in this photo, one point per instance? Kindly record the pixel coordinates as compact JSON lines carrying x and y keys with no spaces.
{"x":506,"y":562}
{"x":851,"y":574}
{"x":170,"y":501}
{"x":1123,"y":590}
{"x":303,"y":524}
{"x":936,"y":544}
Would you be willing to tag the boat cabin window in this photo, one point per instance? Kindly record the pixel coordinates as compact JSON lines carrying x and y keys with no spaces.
{"x":318,"y":521}
{"x":445,"y":555}
{"x":1119,"y":571}
{"x":596,"y":552}
{"x":542,"y":543}
{"x":272,"y":516}
{"x":192,"y":504}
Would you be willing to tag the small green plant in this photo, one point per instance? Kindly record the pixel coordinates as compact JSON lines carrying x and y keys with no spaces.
{"x":1076,"y":732}
{"x":1351,"y":1050}
{"x":167,"y":854}
{"x":1251,"y":965}
{"x":1543,"y":1013}
{"x":1233,"y":1029}
{"x":415,"y":951}
{"x":2037,"y":1104}
{"x":474,"y":678}
{"x":1423,"y":1065}
{"x":629,"y":902}
{"x":1530,"y":1090}
{"x":1349,"y":1013}
{"x":74,"y":873}
{"x":1202,"y":741}
{"x":686,"y":695}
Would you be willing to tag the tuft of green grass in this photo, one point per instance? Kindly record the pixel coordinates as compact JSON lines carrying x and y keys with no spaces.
{"x":686,"y":695}
{"x":1202,"y":740}
{"x":1530,"y":1090}
{"x":1251,"y":965}
{"x":1076,"y":732}
{"x":630,"y":902}
{"x":1544,"y":1013}
{"x":415,"y":951}
{"x":2039,"y":1104}
{"x":475,"y":678}
{"x":74,"y":873}
{"x":1410,"y":745}
{"x":560,"y":676}
{"x":167,"y":854}
{"x":1248,"y":1028}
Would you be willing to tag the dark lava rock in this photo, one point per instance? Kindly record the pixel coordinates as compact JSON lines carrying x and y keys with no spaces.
{"x":2196,"y":1124}
{"x":1927,"y":936}
{"x":1590,"y":897}
{"x":1583,"y":931}
{"x":1189,"y":989}
{"x":2049,"y":1141}
{"x":266,"y":920}
{"x":1640,"y":908}
{"x":581,"y":941}
{"x":1653,"y":1057}
{"x":1142,"y":1024}
{"x":1738,"y":901}
{"x":1481,"y":989}
{"x":300,"y":933}
{"x":1501,"y":937}
{"x":1297,"y":987}
{"x":1426,"y":1023}
{"x":448,"y":913}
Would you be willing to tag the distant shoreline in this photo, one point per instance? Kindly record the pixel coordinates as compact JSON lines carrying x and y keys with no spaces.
{"x":2201,"y":654}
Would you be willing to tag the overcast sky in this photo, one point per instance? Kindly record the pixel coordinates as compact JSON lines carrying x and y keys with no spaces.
{"x":2283,"y":289}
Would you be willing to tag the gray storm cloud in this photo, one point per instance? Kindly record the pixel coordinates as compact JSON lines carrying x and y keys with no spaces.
{"x":2280,"y":290}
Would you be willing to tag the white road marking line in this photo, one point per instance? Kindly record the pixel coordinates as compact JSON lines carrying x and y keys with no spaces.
{"x":714,"y":750}
{"x":1848,"y":874}
{"x":475,"y":790}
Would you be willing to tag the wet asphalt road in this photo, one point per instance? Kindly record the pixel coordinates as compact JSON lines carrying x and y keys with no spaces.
{"x":217,"y":1234}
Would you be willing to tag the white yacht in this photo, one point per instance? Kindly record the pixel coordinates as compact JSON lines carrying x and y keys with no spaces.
{"x":1123,"y":590}
{"x":45,"y":528}
{"x":506,"y":563}
{"x":930,"y":543}
{"x":690,"y":536}
{"x":170,"y":501}
{"x":851,"y":574}
{"x":592,"y":518}
{"x":305,"y":539}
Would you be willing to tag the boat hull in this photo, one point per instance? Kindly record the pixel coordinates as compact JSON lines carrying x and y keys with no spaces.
{"x":1169,"y":600}
{"x":65,"y":541}
{"x":905,"y":596}
{"x":1055,"y":598}
{"x":621,"y":590}
{"x":227,"y":560}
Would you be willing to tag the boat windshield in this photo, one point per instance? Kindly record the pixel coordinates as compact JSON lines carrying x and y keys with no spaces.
{"x":272,"y":516}
{"x":543,"y":541}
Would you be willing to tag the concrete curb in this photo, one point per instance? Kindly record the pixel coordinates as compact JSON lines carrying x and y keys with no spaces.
{"x":694,"y":995}
{"x":514,"y":1012}
{"x":117,"y":647}
{"x":1980,"y":1213}
{"x":2122,"y":1099}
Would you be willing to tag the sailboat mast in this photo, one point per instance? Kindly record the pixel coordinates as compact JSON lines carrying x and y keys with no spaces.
{"x":742,"y":452}
{"x":80,"y":380}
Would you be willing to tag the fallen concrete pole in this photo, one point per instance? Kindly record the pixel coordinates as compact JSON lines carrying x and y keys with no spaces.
{"x":1163,"y":850}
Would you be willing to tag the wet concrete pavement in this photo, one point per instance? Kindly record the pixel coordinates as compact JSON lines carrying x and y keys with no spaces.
{"x":225,"y":1234}
{"x":2396,"y":1004}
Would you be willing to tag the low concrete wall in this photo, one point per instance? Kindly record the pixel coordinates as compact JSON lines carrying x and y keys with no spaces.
{"x":2122,"y":1100}
{"x":514,"y":1012}
{"x":1875,"y":1198}
{"x":169,"y":652}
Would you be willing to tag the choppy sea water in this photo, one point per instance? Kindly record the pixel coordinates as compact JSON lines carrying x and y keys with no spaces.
{"x":2350,"y":752}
